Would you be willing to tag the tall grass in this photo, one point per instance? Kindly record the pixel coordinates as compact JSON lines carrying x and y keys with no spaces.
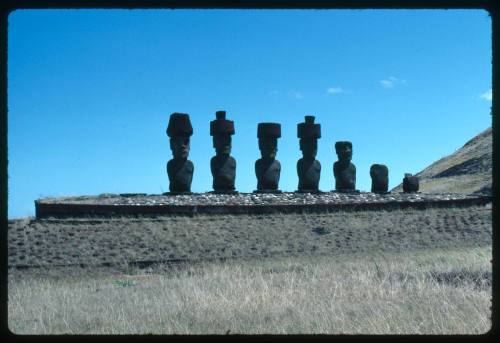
{"x":426,"y":292}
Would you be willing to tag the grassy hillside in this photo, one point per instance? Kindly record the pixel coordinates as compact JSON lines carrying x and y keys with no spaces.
{"x":468,"y":170}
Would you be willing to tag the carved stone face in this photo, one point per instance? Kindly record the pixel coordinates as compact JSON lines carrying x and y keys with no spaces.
{"x":344,"y":152}
{"x":179,"y":147}
{"x":222,"y":144}
{"x":268,"y":148}
{"x":309,"y":147}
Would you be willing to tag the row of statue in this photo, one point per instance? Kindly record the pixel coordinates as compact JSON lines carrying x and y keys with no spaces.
{"x":267,"y":168}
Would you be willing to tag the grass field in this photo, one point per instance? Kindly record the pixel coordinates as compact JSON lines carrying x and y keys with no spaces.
{"x":440,"y":291}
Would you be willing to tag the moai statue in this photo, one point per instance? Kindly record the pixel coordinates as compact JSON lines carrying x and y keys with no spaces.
{"x":308,"y":168}
{"x":179,"y":169}
{"x":222,"y":165}
{"x":343,"y":170}
{"x":267,"y":168}
{"x":410,"y":183}
{"x":380,"y":178}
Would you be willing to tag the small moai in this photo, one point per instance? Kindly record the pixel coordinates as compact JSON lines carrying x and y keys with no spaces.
{"x":222,"y":165}
{"x":343,"y":170}
{"x":308,"y":168}
{"x":410,"y":183}
{"x":380,"y":178}
{"x":180,"y":169}
{"x":267,"y":168}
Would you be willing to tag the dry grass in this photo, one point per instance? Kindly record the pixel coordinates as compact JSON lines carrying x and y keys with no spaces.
{"x":465,"y":184}
{"x":420,"y":292}
{"x":478,"y":146}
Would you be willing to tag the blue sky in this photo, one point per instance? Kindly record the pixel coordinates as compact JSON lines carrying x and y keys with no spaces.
{"x":90,"y":92}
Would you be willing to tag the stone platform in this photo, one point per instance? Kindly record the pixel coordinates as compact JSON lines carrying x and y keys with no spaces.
{"x":244,"y":203}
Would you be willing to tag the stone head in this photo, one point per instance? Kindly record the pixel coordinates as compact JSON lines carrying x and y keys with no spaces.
{"x":180,"y":146}
{"x":179,"y":130}
{"x":379,"y":172}
{"x":309,"y":147}
{"x":344,"y":151}
{"x":222,"y":144}
{"x":222,"y":129}
{"x":268,"y":134}
{"x":268,"y":147}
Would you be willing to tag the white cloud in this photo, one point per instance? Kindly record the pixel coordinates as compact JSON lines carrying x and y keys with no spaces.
{"x":295,"y":94}
{"x":386,"y":83}
{"x":334,"y":90}
{"x":391,"y":82}
{"x":488,"y":95}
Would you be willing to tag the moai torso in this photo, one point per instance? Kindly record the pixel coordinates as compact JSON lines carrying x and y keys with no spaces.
{"x":380,"y":178}
{"x":345,"y":176}
{"x":180,"y":175}
{"x":224,"y":172}
{"x":268,"y":174}
{"x":309,"y":171}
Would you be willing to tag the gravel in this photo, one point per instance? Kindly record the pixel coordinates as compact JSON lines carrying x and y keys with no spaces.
{"x":253,"y":199}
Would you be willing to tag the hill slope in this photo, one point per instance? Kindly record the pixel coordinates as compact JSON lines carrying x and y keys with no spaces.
{"x":468,"y":170}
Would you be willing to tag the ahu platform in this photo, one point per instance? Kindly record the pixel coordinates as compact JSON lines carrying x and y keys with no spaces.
{"x":244,"y":203}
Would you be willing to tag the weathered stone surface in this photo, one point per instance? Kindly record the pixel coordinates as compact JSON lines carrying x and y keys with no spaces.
{"x":180,"y":175}
{"x":284,"y":202}
{"x":308,"y":168}
{"x":268,"y":174}
{"x":180,"y":169}
{"x":179,"y":125}
{"x":96,"y":240}
{"x":285,"y":198}
{"x":267,"y":168}
{"x":221,"y":125}
{"x":343,"y":170}
{"x":410,"y":183}
{"x":380,"y":178}
{"x":223,"y":169}
{"x":222,"y":165}
{"x":308,"y":129}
